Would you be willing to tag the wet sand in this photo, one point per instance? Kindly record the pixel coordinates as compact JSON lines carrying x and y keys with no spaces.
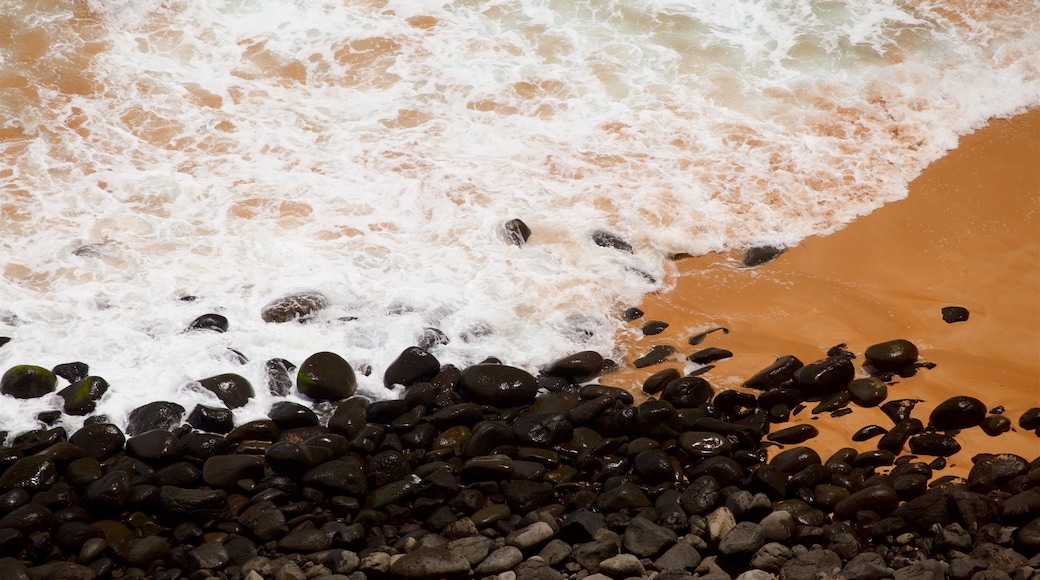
{"x":967,"y":235}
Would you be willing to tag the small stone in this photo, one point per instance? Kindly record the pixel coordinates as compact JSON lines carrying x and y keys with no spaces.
{"x":516,"y":232}
{"x":606,"y":239}
{"x":499,"y":385}
{"x":681,"y":556}
{"x":744,"y":539}
{"x":868,"y":391}
{"x":301,"y":307}
{"x":811,"y":565}
{"x":430,"y":563}
{"x":530,"y":536}
{"x":960,"y":412}
{"x":157,"y":415}
{"x":891,"y":356}
{"x":709,"y":355}
{"x":758,"y":255}
{"x":622,"y":566}
{"x":656,"y":355}
{"x":653,"y":327}
{"x":212,"y":322}
{"x":951,"y":314}
{"x":577,"y":368}
{"x":631,"y":314}
{"x":644,"y":538}
{"x":500,"y":560}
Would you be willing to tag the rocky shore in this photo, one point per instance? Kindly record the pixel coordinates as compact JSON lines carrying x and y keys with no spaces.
{"x":492,"y":471}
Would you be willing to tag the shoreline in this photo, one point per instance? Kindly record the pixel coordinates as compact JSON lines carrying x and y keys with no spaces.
{"x":951,"y":242}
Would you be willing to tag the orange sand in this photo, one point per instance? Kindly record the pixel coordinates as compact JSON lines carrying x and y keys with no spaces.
{"x":967,"y":235}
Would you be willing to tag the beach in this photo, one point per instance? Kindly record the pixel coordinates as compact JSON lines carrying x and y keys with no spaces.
{"x":968,"y":235}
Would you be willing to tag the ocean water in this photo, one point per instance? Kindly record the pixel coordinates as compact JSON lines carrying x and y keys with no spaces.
{"x":371,"y":150}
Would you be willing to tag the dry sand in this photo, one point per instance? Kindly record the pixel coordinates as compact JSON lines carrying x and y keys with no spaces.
{"x":967,"y":235}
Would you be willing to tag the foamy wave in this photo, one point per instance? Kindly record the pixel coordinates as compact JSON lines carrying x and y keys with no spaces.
{"x":237,"y":151}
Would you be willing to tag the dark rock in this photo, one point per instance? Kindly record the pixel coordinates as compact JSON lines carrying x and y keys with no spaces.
{"x":653,"y":327}
{"x":775,"y":375}
{"x":869,"y":432}
{"x":743,"y":540}
{"x":959,"y":412}
{"x":499,"y":385}
{"x":110,"y":492}
{"x":208,"y":556}
{"x":701,"y":496}
{"x":687,"y":392}
{"x":289,"y":415}
{"x":338,"y":477}
{"x":81,"y":397}
{"x":653,"y":467}
{"x":794,"y":434}
{"x":758,"y":255}
{"x":631,"y":314}
{"x":868,"y":392}
{"x":232,"y":390}
{"x":891,"y":356}
{"x":432,"y":338}
{"x":157,"y":415}
{"x":302,"y":307}
{"x":516,"y":232}
{"x":814,"y":564}
{"x":624,"y":496}
{"x":581,"y":525}
{"x":305,"y":539}
{"x":899,"y":409}
{"x":825,"y":376}
{"x":28,"y":518}
{"x":34,"y":473}
{"x":578,"y":367}
{"x":154,"y":447}
{"x":656,"y":355}
{"x":894,"y":440}
{"x":28,"y":382}
{"x":61,"y":571}
{"x":991,"y":471}
{"x":99,"y":440}
{"x":879,"y":498}
{"x":1030,"y":419}
{"x":608,"y":240}
{"x":72,"y":372}
{"x":994,"y":425}
{"x":935,"y":444}
{"x":656,"y":382}
{"x":709,"y":355}
{"x":277,"y":375}
{"x":705,"y":443}
{"x":144,"y":551}
{"x":951,"y":314}
{"x":542,"y":429}
{"x":226,"y":471}
{"x":412,"y":365}
{"x":193,"y":505}
{"x":213,"y":322}
{"x":326,"y":376}
{"x":796,"y":459}
{"x":212,"y":419}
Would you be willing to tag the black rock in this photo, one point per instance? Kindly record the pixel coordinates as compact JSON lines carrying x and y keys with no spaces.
{"x":542,"y":429}
{"x":687,"y":392}
{"x":1030,"y":419}
{"x":959,"y":412}
{"x":157,"y":415}
{"x":824,"y":377}
{"x":868,"y":392}
{"x":81,"y":398}
{"x":499,"y":385}
{"x":99,"y":440}
{"x":899,"y":409}
{"x":516,"y":232}
{"x":290,"y":415}
{"x":794,"y":460}
{"x":653,"y":327}
{"x":302,"y":307}
{"x":758,"y":255}
{"x":991,"y":471}
{"x":878,"y":498}
{"x":657,"y":354}
{"x":226,"y":471}
{"x":794,"y":434}
{"x":193,"y":505}
{"x":578,"y":367}
{"x":34,"y":473}
{"x":232,"y":390}
{"x":891,"y":356}
{"x":775,"y":375}
{"x":277,"y":374}
{"x":326,"y":376}
{"x":869,"y":432}
{"x":608,"y":240}
{"x":656,"y":382}
{"x":951,"y":314}
{"x":709,"y":355}
{"x":212,"y":419}
{"x":28,"y":518}
{"x":412,"y":365}
{"x":994,"y":425}
{"x":705,"y":443}
{"x":896,"y":438}
{"x":154,"y":447}
{"x":631,"y":314}
{"x":28,"y":382}
{"x":212,"y":322}
{"x":934,"y":444}
{"x":109,"y":493}
{"x":72,"y":372}
{"x":432,"y":338}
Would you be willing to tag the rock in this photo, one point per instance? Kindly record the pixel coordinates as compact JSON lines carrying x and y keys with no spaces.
{"x":653,"y":327}
{"x":542,"y":429}
{"x":430,"y":563}
{"x":878,"y":498}
{"x":28,"y":518}
{"x":157,"y":415}
{"x":212,"y":322}
{"x":811,"y":565}
{"x":516,"y":232}
{"x":232,"y":390}
{"x":994,"y":425}
{"x":656,"y":355}
{"x":868,"y":392}
{"x":755,"y":575}
{"x":61,"y":571}
{"x":33,"y":473}
{"x":209,"y":556}
{"x":144,"y":551}
{"x":608,"y":240}
{"x":289,"y":415}
{"x":743,"y":540}
{"x":99,"y":440}
{"x":824,"y":377}
{"x":644,"y":538}
{"x":499,"y":385}
{"x":211,"y":419}
{"x":687,"y":392}
{"x":624,"y":496}
{"x":758,"y":255}
{"x":326,"y":376}
{"x":631,"y":314}
{"x":709,"y":355}
{"x":183,"y":504}
{"x":681,"y":556}
{"x":622,"y":566}
{"x":28,"y":382}
{"x":412,"y":365}
{"x":473,"y":548}
{"x":577,"y":368}
{"x":922,"y":570}
{"x":1030,"y":419}
{"x":935,"y":444}
{"x":891,"y":356}
{"x":794,"y":434}
{"x":502,"y":559}
{"x":338,"y":477}
{"x":109,"y":492}
{"x":778,"y":526}
{"x":771,"y":557}
{"x":869,"y":432}
{"x":225,"y":471}
{"x":775,"y":375}
{"x":720,"y":523}
{"x":951,"y":314}
{"x":301,"y":307}
{"x":277,"y":376}
{"x":155,"y":447}
{"x":795,"y":459}
{"x":991,"y":471}
{"x":81,"y":398}
{"x":305,"y":539}
{"x":530,"y":536}
{"x":959,"y":412}
{"x":866,"y":566}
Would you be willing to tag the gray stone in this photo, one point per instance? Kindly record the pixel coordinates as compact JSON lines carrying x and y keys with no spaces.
{"x":209,"y":556}
{"x":622,"y":566}
{"x":771,"y":557}
{"x":535,"y":569}
{"x":473,"y":548}
{"x":756,"y":575}
{"x":810,"y":565}
{"x":555,"y":552}
{"x":431,"y":563}
{"x":866,"y":566}
{"x":500,"y":560}
{"x":681,"y":556}
{"x":922,"y":570}
{"x":777,"y":526}
{"x":590,"y":554}
{"x":530,"y":536}
{"x":644,"y":538}
{"x":744,"y":538}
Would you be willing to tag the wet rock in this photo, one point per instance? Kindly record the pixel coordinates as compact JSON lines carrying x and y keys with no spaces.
{"x":301,"y":307}
{"x":28,"y":518}
{"x":631,"y":314}
{"x":951,"y":314}
{"x":225,"y":471}
{"x":1030,"y":419}
{"x":232,"y":390}
{"x":794,"y":434}
{"x":72,"y":372}
{"x":157,"y":415}
{"x":289,"y":415}
{"x":28,"y":382}
{"x":990,"y":471}
{"x":502,"y":559}
{"x":758,"y":255}
{"x":156,"y":447}
{"x":578,"y":367}
{"x":879,"y":498}
{"x":891,"y":356}
{"x":81,"y":397}
{"x":935,"y":444}
{"x":61,"y":571}
{"x":824,"y":377}
{"x":195,"y":505}
{"x":709,"y":355}
{"x":743,"y":540}
{"x":994,"y":425}
{"x":680,"y":557}
{"x":212,"y":322}
{"x":499,"y":385}
{"x":869,"y":432}
{"x":530,"y":536}
{"x":656,"y":355}
{"x":109,"y":492}
{"x":656,"y":382}
{"x":516,"y":232}
{"x":277,"y":376}
{"x":211,"y":419}
{"x":959,"y":412}
{"x":305,"y":539}
{"x":775,"y":375}
{"x":606,"y":239}
{"x":624,"y":496}
{"x":705,"y":443}
{"x":412,"y":365}
{"x":338,"y":477}
{"x":99,"y":440}
{"x":34,"y":473}
{"x":430,"y":563}
{"x":687,"y":392}
{"x":868,"y":392}
{"x":811,"y":566}
{"x":326,"y":376}
{"x":794,"y":460}
{"x":144,"y":551}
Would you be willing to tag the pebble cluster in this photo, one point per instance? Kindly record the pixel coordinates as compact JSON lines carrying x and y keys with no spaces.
{"x":494,"y":472}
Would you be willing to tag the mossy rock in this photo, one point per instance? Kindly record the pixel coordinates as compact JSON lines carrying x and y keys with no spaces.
{"x":81,"y":398}
{"x":28,"y":382}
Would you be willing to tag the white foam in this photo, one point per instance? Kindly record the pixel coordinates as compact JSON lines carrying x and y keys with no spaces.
{"x":238,"y":151}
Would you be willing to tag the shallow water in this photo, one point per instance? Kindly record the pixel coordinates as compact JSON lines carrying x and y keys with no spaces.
{"x":239,"y":151}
